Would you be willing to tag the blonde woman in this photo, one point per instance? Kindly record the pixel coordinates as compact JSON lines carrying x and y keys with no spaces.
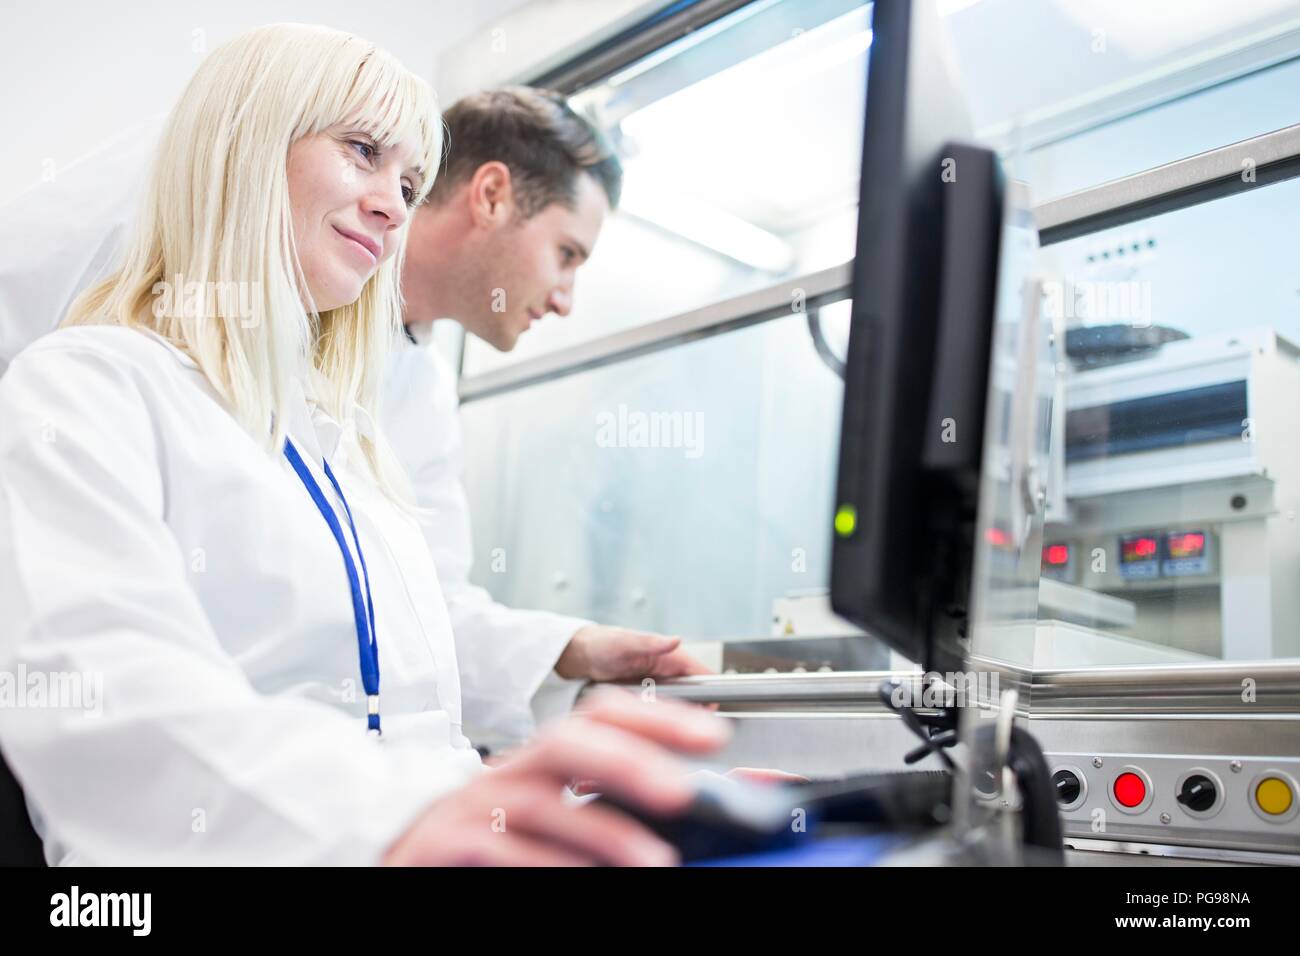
{"x":204,"y":540}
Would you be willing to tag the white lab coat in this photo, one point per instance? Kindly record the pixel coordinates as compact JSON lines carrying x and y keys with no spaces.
{"x":61,"y":236}
{"x":506,"y":655}
{"x":149,"y":544}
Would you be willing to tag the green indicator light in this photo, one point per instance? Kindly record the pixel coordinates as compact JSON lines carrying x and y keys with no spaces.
{"x":846,"y":520}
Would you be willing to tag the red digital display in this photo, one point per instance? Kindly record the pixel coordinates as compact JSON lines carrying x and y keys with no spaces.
{"x":1056,"y":555}
{"x":1186,"y":544}
{"x":997,"y":537}
{"x":1140,"y":548}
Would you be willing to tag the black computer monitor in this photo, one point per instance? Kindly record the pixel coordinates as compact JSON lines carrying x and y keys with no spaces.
{"x":917,"y":371}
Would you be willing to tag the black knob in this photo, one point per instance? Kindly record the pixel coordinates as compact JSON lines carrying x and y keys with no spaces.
{"x":1067,"y":786}
{"x":1198,"y":793}
{"x":986,"y":783}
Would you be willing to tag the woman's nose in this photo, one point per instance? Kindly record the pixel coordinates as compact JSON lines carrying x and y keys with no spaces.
{"x":388,"y":202}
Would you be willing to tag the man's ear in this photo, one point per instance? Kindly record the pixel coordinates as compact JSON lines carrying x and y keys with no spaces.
{"x":491,"y":194}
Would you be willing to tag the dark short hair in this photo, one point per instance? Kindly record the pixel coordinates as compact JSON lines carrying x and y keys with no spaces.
{"x":538,"y":136}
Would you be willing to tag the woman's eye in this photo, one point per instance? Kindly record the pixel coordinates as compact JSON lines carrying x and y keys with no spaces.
{"x":369,"y":153}
{"x":569,"y":255}
{"x":408,"y":194}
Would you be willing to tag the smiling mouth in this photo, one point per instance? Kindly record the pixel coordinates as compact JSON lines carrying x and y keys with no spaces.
{"x":358,"y":244}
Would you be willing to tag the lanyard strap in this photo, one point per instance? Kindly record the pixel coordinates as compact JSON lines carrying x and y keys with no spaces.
{"x":363,"y":609}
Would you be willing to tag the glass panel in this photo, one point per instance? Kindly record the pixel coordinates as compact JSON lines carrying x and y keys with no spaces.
{"x":1216,"y":117}
{"x":688,"y":491}
{"x":1017,"y":435}
{"x":741,"y":146}
{"x":1094,"y":90}
{"x":1172,"y":532}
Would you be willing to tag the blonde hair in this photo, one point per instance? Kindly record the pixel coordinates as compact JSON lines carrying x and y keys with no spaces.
{"x":217,"y":211}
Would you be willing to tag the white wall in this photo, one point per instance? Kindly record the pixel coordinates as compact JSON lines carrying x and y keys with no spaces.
{"x":74,"y":74}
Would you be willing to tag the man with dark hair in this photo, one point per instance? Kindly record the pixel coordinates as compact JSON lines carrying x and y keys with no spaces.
{"x":516,"y":211}
{"x":535,"y":133}
{"x":526,"y":186}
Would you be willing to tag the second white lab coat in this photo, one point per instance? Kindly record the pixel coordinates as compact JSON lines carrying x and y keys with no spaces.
{"x":506,"y":654}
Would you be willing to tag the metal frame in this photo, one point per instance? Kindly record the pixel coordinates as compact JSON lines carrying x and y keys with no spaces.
{"x":1175,"y":690}
{"x":1270,"y":158}
{"x":591,"y":66}
{"x":1199,"y":689}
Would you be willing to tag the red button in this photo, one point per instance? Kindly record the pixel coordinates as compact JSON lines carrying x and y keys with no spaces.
{"x":1130,"y":790}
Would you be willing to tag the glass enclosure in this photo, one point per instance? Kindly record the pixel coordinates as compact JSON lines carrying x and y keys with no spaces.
{"x":690,"y":490}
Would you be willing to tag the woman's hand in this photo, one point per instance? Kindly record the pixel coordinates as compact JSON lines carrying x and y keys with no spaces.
{"x":518,"y":815}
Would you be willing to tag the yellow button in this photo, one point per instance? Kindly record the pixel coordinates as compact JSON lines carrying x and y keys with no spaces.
{"x":1274,"y":796}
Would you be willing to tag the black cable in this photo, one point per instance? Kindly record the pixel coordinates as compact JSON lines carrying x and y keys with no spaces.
{"x":1042,"y":815}
{"x":1040,"y":812}
{"x":823,"y":348}
{"x":937,"y":732}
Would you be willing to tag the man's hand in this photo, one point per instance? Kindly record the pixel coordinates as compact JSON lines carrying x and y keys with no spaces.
{"x":601,"y":653}
{"x":517,"y":814}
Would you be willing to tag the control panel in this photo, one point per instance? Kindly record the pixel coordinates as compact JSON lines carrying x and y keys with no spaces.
{"x":1171,"y":556}
{"x":1225,"y":801}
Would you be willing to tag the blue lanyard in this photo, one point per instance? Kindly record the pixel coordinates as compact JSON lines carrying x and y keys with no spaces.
{"x":363,"y":610}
